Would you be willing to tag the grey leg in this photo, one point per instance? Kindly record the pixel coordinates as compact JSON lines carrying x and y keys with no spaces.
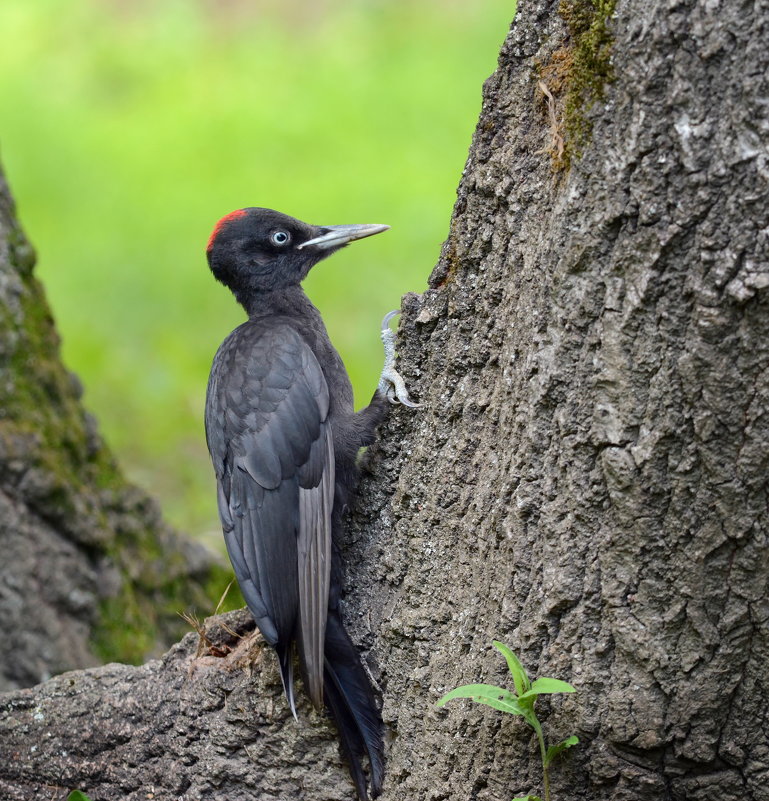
{"x":390,"y":382}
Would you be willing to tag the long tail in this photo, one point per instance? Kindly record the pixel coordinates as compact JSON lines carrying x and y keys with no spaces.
{"x":350,"y":699}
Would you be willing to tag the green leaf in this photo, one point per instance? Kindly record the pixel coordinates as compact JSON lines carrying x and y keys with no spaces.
{"x":520,"y":677}
{"x":546,"y":686}
{"x":77,"y":795}
{"x":488,"y":694}
{"x":527,"y":798}
{"x":526,"y":703}
{"x":553,"y":751}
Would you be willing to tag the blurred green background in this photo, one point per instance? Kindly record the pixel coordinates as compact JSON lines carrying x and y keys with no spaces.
{"x":128,"y":128}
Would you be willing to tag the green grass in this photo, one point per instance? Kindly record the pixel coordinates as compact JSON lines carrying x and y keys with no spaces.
{"x":128,"y":129}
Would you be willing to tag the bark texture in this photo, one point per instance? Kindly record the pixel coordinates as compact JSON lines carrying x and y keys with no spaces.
{"x":177,"y":728}
{"x":88,"y":569}
{"x":586,"y":481}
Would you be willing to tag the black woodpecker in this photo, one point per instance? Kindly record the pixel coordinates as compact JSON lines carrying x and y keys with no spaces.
{"x":283,"y":438}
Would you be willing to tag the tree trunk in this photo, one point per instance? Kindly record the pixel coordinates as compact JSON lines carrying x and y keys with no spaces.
{"x":586,"y":480}
{"x":88,"y":569}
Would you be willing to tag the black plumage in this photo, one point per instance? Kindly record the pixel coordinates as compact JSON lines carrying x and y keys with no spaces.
{"x":283,"y":437}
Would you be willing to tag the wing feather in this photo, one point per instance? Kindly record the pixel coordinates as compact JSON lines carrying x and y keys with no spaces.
{"x":314,"y":552}
{"x":272,"y":447}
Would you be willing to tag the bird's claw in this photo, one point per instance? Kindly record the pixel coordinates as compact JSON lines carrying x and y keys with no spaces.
{"x":386,"y":320}
{"x":391,"y":382}
{"x":394,"y":388}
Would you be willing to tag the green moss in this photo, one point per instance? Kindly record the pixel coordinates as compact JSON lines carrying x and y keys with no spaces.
{"x":43,"y":425}
{"x":591,"y":66}
{"x":36,"y":401}
{"x":217,"y":584}
{"x":147,"y":607}
{"x":576,"y":76}
{"x":123,"y":632}
{"x":155,"y":588}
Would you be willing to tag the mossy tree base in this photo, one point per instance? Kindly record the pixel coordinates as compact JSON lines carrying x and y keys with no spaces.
{"x":89,"y":570}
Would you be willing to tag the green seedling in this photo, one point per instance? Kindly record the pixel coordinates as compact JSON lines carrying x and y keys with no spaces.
{"x":521,"y":702}
{"x":77,"y":795}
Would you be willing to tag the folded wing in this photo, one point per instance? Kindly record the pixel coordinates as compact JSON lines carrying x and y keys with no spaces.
{"x":271,"y":444}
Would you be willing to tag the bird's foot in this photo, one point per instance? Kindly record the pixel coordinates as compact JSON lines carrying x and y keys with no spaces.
{"x":391,"y":383}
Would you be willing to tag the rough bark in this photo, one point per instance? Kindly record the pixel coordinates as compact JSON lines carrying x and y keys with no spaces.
{"x":181,"y":727}
{"x":88,"y":568}
{"x":587,"y":478}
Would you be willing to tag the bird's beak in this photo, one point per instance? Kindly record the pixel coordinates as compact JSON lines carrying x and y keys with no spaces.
{"x":335,"y":236}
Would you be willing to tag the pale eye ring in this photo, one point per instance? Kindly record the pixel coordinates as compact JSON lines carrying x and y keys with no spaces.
{"x":279,"y":237}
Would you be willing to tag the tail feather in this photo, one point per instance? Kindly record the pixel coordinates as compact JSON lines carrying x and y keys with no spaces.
{"x":349,"y":740}
{"x":285,"y":659}
{"x":351,"y":701}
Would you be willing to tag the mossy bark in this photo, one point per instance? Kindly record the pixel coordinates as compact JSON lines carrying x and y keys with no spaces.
{"x":586,"y":480}
{"x":89,"y":570}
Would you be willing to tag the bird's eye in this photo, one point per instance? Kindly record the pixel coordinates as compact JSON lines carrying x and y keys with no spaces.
{"x":279,"y":237}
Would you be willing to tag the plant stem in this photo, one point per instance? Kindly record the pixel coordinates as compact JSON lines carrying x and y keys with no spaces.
{"x":541,"y":739}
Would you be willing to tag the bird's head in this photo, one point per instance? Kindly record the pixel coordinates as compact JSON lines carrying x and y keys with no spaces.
{"x":254,"y":250}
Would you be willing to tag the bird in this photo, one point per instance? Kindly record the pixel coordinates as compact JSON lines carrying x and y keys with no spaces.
{"x":284,"y":438}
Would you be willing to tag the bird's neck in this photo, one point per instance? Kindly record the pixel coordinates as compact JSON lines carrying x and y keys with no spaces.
{"x":290,"y":301}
